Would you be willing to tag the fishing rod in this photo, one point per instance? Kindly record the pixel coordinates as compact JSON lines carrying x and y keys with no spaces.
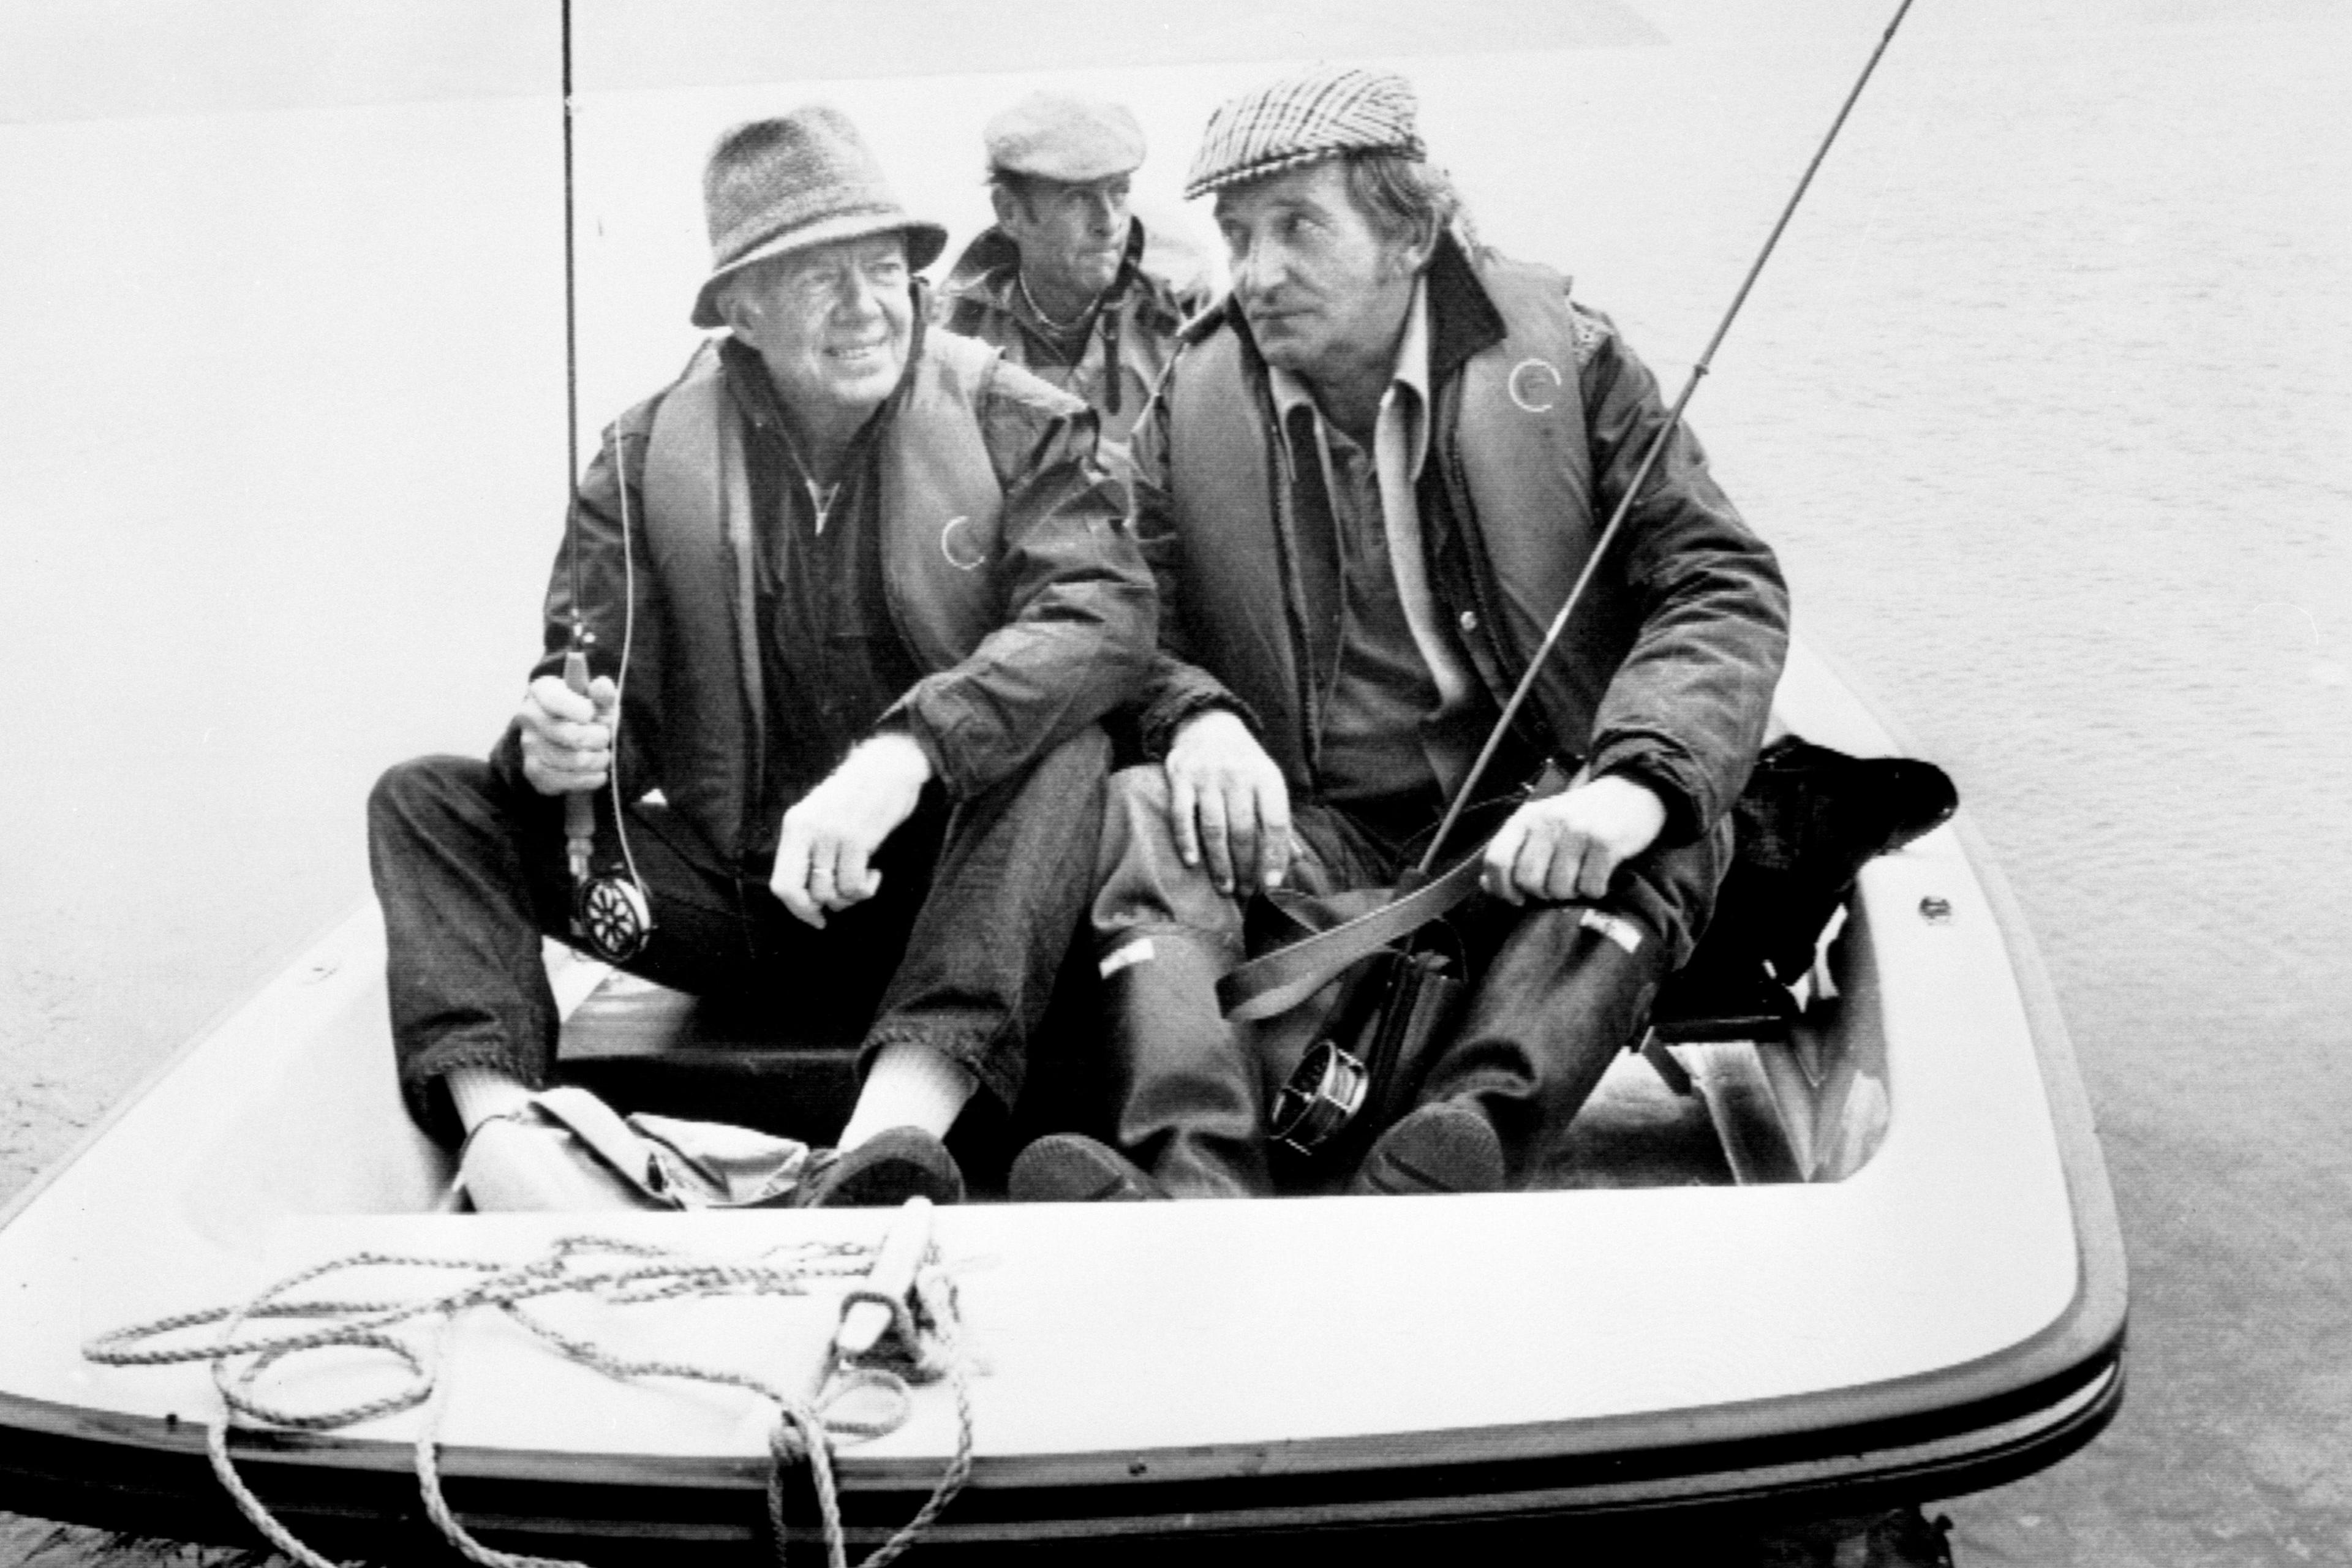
{"x":1462,"y":796}
{"x":611,"y":913}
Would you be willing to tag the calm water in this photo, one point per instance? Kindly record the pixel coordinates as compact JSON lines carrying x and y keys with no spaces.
{"x":2046,"y":403}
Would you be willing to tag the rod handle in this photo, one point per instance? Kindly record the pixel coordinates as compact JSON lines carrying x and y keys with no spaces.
{"x":579,"y":808}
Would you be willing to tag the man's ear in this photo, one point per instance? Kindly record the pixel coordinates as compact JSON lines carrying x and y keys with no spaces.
{"x":1008,"y":206}
{"x":736,"y":311}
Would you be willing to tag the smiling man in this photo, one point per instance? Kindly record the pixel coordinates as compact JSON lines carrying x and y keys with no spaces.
{"x":1068,"y":282}
{"x":1365,"y":485}
{"x":855,"y":596}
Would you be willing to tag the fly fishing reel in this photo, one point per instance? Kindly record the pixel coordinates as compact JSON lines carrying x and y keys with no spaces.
{"x":1325,"y":1093}
{"x":611,"y":915}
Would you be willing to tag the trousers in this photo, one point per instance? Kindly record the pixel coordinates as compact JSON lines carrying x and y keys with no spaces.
{"x":1553,"y":997}
{"x":959,"y":948}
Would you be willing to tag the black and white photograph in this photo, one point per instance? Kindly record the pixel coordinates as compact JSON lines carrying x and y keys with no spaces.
{"x":1228,"y":782}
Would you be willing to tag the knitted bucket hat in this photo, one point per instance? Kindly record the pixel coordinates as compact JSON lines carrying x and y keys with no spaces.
{"x":1320,"y":114}
{"x":801,"y":180}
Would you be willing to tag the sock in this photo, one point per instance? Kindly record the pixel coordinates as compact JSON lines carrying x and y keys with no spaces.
{"x":907,"y":1086}
{"x":480,"y":1093}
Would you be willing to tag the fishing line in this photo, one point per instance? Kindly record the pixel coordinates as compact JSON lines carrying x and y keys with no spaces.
{"x":1657,"y":446}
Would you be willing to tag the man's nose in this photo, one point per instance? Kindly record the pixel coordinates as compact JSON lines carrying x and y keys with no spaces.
{"x":1102,"y":212}
{"x":853,"y":293}
{"x":1256,"y":269}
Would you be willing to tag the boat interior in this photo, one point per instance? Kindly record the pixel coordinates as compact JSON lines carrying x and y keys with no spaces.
{"x":1718,"y":1094}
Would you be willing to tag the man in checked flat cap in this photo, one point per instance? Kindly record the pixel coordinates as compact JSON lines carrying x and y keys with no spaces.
{"x":1067,"y":282}
{"x":855,"y":594}
{"x":1366,"y":486}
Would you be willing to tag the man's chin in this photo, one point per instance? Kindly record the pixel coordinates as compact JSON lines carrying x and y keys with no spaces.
{"x":1278,"y":346}
{"x":864,"y":391}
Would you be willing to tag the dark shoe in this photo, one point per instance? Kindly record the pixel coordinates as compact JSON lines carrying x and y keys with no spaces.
{"x":883,"y":1171}
{"x":1446,"y":1147}
{"x":1065,"y":1168}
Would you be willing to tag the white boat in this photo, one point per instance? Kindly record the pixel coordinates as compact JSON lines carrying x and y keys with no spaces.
{"x":1904,"y":1280}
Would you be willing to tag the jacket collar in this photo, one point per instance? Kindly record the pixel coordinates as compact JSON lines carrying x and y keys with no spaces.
{"x":1462,"y":319}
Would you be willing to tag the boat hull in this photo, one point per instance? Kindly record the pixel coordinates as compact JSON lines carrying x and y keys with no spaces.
{"x":1947,"y":1314}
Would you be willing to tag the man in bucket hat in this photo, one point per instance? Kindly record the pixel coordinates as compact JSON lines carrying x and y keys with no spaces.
{"x":1068,"y":282}
{"x":1366,"y":484}
{"x":855,"y":596}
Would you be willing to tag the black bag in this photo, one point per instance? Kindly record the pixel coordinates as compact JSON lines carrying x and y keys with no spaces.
{"x":1347,"y":1062}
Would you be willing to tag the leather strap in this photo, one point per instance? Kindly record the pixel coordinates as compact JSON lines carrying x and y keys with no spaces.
{"x":1284,"y":978}
{"x":1278,"y":980}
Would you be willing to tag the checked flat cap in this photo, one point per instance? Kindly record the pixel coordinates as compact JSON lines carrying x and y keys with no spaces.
{"x":1323,"y":113}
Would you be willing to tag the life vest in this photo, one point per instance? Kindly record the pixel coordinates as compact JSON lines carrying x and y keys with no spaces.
{"x":1509,"y":435}
{"x":941,"y":507}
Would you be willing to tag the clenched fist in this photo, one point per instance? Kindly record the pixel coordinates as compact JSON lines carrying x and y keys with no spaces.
{"x":1569,"y":845}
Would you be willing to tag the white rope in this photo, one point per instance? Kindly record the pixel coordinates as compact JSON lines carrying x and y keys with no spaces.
{"x":921,"y":1348}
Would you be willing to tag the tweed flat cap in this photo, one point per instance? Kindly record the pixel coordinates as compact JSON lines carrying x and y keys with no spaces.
{"x":1322,"y":113}
{"x":801,"y":180}
{"x":1064,"y":136}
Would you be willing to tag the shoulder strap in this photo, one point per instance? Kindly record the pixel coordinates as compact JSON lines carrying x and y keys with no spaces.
{"x":1284,"y":978}
{"x":1279,"y":980}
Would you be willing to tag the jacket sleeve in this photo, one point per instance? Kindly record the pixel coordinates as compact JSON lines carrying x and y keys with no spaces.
{"x":1686,"y":708}
{"x":1174,"y":688}
{"x":1079,"y":615}
{"x":609,"y":571}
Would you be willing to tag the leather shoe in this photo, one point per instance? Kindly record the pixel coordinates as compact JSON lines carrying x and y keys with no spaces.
{"x":887,"y":1169}
{"x":1065,"y":1168}
{"x":1444,"y":1147}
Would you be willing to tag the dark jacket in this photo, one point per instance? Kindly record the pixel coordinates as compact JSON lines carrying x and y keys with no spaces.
{"x":1667,"y":671}
{"x":1012,"y":580}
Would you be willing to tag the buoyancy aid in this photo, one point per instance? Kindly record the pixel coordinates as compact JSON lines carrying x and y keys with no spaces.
{"x":941,"y":508}
{"x":1508,"y":431}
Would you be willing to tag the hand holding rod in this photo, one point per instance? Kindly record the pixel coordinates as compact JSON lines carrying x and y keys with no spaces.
{"x":1634,"y":487}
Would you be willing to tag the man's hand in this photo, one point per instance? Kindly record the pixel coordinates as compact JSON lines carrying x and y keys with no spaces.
{"x":567,"y":737}
{"x":1569,"y":845}
{"x":833,"y":833}
{"x":1228,"y":803}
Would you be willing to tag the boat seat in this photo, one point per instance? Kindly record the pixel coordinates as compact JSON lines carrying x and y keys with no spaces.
{"x":642,"y":1047}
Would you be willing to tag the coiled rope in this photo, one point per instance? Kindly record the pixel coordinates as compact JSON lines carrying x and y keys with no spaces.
{"x":921,"y":1347}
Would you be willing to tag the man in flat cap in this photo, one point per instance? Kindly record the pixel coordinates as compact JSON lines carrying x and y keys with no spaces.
{"x":854,"y":594}
{"x":1068,"y":282}
{"x":1365,"y":485}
